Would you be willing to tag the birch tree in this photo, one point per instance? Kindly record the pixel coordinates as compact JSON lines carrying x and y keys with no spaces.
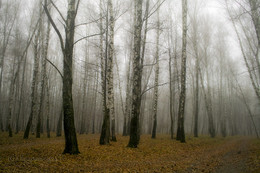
{"x":180,"y":128}
{"x":110,"y":69}
{"x":105,"y":131}
{"x":136,"y":91}
{"x":156,"y":81}
{"x":36,"y":51}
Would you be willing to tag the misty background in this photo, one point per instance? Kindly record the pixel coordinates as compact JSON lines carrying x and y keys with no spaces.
{"x":225,"y":75}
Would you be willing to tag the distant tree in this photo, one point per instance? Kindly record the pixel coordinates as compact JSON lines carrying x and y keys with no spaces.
{"x":206,"y":40}
{"x":8,"y":20}
{"x":24,"y":59}
{"x":207,"y":99}
{"x":171,"y":88}
{"x":23,"y":54}
{"x":173,"y":74}
{"x":95,"y":101}
{"x":221,"y":51}
{"x":59,"y":124}
{"x":195,"y":44}
{"x":85,"y":88}
{"x":43,"y":43}
{"x":11,"y":109}
{"x":17,"y":51}
{"x":127,"y":113}
{"x":246,"y":104}
{"x":246,"y":23}
{"x":36,"y":50}
{"x":48,"y":110}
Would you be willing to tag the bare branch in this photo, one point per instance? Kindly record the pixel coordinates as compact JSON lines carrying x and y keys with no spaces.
{"x":87,"y":23}
{"x":154,"y":11}
{"x":154,"y":87}
{"x":58,"y":10}
{"x":55,"y":67}
{"x":121,"y":15}
{"x":246,"y":104}
{"x":77,"y":7}
{"x":87,"y":37}
{"x":54,"y":26}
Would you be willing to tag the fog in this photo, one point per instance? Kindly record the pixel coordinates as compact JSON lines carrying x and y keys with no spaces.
{"x":220,"y":33}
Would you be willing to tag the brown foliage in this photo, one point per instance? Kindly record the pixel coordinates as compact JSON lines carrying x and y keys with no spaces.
{"x":158,"y":155}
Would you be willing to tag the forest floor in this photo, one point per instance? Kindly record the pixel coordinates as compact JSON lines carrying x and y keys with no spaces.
{"x":203,"y":154}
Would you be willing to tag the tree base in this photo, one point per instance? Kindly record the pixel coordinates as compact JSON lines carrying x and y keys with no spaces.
{"x":114,"y":139}
{"x":10,"y":132}
{"x":132,"y":146}
{"x":72,"y":152}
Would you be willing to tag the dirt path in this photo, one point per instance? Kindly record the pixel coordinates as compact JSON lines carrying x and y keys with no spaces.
{"x":229,"y":156}
{"x":234,"y":161}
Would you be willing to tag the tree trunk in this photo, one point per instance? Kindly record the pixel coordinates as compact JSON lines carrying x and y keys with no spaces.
{"x":249,"y":110}
{"x":84,"y":113}
{"x":211,"y":127}
{"x":34,"y":86}
{"x":256,"y":20}
{"x":105,"y":131}
{"x":212,"y":130}
{"x":196,"y":111}
{"x":136,"y":92}
{"x":174,"y":79}
{"x":143,"y":99}
{"x":110,"y":92}
{"x":222,"y":105}
{"x":95,"y":103}
{"x":59,"y":124}
{"x":71,"y":144}
{"x":255,"y":15}
{"x":155,"y":97}
{"x":11,"y":103}
{"x":21,"y":96}
{"x":48,"y":110}
{"x":171,"y":95}
{"x":127,"y":100}
{"x":180,"y":130}
{"x":43,"y":79}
